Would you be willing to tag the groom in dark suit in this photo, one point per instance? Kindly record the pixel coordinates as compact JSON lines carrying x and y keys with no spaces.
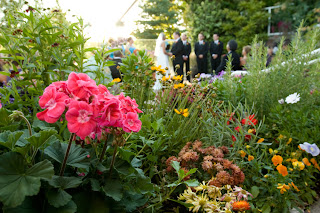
{"x":186,"y":54}
{"x":177,"y":50}
{"x":201,"y":50}
{"x":216,"y":48}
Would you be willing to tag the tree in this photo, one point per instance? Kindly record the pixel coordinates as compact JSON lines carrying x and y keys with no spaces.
{"x":246,"y":21}
{"x":157,"y":16}
{"x":232,"y":19}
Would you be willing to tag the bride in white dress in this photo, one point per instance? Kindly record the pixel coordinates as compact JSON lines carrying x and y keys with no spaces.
{"x":162,"y":59}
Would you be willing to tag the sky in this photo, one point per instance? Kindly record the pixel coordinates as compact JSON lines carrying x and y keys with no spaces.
{"x":102,"y":15}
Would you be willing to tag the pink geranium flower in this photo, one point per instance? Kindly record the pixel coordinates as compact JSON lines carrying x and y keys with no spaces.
{"x":111,"y":113}
{"x":81,"y":85}
{"x":80,"y":118}
{"x":59,"y":86}
{"x":131,"y":122}
{"x":128,"y":104}
{"x":54,"y":104}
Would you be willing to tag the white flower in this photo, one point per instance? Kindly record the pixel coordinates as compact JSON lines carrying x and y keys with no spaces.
{"x":293,"y":98}
{"x":281,"y":101}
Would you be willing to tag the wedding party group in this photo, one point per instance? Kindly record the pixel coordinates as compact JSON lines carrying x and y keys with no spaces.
{"x":181,"y":50}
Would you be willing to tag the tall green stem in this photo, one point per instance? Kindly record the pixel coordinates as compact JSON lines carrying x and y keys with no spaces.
{"x":113,"y":158}
{"x":104,"y":148}
{"x":66,"y":155}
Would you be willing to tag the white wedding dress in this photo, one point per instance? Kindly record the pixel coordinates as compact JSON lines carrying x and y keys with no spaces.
{"x":162,"y":60}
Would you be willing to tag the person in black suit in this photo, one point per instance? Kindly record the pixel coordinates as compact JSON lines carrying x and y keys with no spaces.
{"x":186,"y":54}
{"x":177,"y":50}
{"x":216,"y":48}
{"x":231,"y":48}
{"x":201,"y":50}
{"x":117,"y":59}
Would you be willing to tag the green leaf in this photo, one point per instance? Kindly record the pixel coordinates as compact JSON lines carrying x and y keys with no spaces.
{"x":192,"y":182}
{"x":71,"y":207}
{"x":95,"y":185}
{"x":192,"y":171}
{"x":29,"y":205}
{"x":9,"y":139}
{"x":266,"y":208}
{"x":65,"y":182}
{"x":113,"y":188}
{"x":187,"y":205}
{"x":255,"y":191}
{"x":77,"y":156}
{"x":176,"y":165}
{"x":136,"y":162}
{"x":43,"y":137}
{"x":18,"y":181}
{"x":58,"y":197}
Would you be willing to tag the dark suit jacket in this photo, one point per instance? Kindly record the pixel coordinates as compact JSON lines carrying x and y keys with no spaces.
{"x":216,"y":49}
{"x":187,"y":49}
{"x":235,"y":62}
{"x":178,"y":50}
{"x":201,"y":49}
{"x":114,"y":71}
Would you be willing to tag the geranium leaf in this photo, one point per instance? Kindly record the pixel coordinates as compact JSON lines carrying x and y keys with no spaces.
{"x":43,"y":137}
{"x":18,"y":181}
{"x":9,"y":139}
{"x":65,"y":182}
{"x":77,"y":156}
{"x":113,"y":188}
{"x":71,"y":207}
{"x":58,"y":197}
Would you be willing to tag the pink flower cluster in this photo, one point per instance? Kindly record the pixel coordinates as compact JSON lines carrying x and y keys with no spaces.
{"x":90,"y":109}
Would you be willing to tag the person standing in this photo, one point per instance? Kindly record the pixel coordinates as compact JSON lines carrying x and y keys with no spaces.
{"x":216,"y":48}
{"x":177,"y":50}
{"x":235,"y":59}
{"x":186,"y":54}
{"x":201,"y":50}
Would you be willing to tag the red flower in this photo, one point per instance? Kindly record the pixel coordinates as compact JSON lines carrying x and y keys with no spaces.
{"x":234,"y":138}
{"x":237,"y":128}
{"x":81,"y":85}
{"x":131,"y":123}
{"x":80,"y":118}
{"x":249,"y":120}
{"x":54,"y":104}
{"x":55,"y":44}
{"x":247,"y":137}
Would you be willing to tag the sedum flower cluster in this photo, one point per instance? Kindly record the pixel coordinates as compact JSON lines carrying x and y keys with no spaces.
{"x":208,"y":160}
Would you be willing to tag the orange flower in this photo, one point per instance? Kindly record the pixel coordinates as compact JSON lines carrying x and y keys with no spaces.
{"x":276,"y":160}
{"x":289,"y":141}
{"x":240,"y":206}
{"x":250,"y":158}
{"x":283,"y":187}
{"x":306,"y":161}
{"x":294,"y":186}
{"x":313,"y":161}
{"x":242,"y":153}
{"x":282,"y":170}
{"x":316,"y":165}
{"x":260,"y":140}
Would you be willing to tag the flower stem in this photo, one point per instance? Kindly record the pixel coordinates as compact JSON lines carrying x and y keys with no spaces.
{"x":113,"y":158}
{"x":66,"y":155}
{"x":104,"y":149}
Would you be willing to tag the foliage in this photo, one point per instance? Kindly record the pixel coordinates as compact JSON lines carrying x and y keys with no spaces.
{"x":240,"y":20}
{"x":157,"y":16}
{"x":300,"y":10}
